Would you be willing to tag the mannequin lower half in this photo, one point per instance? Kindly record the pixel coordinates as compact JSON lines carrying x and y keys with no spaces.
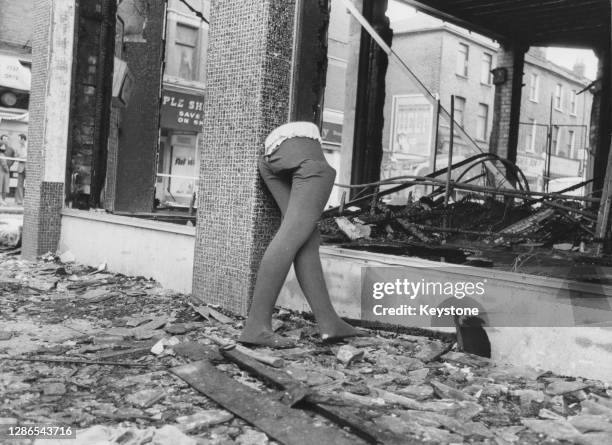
{"x":300,"y":180}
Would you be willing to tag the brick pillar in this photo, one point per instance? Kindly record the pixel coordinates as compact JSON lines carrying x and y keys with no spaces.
{"x":247,"y":95}
{"x":507,"y":104}
{"x":52,"y":56}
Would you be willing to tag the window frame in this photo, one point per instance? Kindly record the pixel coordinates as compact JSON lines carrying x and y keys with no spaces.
{"x":556,"y":142}
{"x":485,"y":121}
{"x":534,"y":88}
{"x":463,"y":101}
{"x":558,"y":102}
{"x":486,"y":61}
{"x":530,"y":147}
{"x":177,"y":43}
{"x":571,"y":143}
{"x":573,"y":102}
{"x":466,"y":60}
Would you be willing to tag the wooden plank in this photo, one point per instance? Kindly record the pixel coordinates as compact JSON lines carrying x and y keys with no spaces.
{"x":324,"y":405}
{"x":286,"y":425}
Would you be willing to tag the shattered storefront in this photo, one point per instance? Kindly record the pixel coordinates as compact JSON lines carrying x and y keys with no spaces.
{"x":266,"y":64}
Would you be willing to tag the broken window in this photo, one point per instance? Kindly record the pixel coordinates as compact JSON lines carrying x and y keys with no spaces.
{"x":422,"y":132}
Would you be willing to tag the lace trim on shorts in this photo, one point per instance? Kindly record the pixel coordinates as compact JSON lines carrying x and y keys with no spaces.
{"x":288,"y":131}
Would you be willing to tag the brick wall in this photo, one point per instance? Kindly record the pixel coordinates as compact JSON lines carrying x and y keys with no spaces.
{"x":110,"y":189}
{"x":249,"y":73}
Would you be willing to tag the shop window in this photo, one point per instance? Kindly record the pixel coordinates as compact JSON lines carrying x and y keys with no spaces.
{"x":481,"y":122}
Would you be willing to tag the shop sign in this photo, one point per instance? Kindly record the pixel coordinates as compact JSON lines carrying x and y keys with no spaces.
{"x":13,"y":74}
{"x":180,"y":111}
{"x":332,"y":133}
{"x":411,"y":132}
{"x":564,"y":166}
{"x":531,"y":165}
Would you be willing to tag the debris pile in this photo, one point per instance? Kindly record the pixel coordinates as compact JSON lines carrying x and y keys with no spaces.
{"x":127,"y":362}
{"x":472,"y":226}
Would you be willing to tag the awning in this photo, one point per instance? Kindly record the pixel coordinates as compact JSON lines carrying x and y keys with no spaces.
{"x":13,"y":74}
{"x":9,"y":114}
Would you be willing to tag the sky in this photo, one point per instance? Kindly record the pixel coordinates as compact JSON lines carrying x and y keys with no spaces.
{"x":565,"y":57}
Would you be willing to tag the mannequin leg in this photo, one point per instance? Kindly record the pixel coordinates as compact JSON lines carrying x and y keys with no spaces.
{"x":311,"y":186}
{"x":309,"y":272}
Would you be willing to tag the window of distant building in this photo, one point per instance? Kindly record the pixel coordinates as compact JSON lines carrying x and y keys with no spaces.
{"x":531,"y":140}
{"x":559,"y":97}
{"x":573,"y":104}
{"x":186,"y":43}
{"x":534,"y":87}
{"x":486,"y":77}
{"x":459,"y":109}
{"x":463,"y":55}
{"x":556,"y":145}
{"x":482,"y":121}
{"x":571,"y":144}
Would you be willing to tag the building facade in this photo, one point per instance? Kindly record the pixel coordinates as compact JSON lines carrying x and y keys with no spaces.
{"x":15,"y":65}
{"x":449,"y":60}
{"x":182,"y":103}
{"x":555,"y":120}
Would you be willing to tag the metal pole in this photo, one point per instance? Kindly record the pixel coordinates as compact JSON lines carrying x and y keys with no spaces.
{"x":549,"y":148}
{"x":450,"y":157}
{"x":436,"y":136}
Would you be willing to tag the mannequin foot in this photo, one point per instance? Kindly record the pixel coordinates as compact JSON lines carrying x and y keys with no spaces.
{"x":339,"y":331}
{"x":266,"y":338}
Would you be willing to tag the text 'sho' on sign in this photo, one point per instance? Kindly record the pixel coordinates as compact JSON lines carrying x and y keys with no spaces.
{"x":180,"y":111}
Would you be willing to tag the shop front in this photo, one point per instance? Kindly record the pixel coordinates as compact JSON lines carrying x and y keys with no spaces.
{"x":14,"y":102}
{"x":178,"y":160}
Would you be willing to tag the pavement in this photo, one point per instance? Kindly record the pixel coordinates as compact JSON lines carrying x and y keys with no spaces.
{"x":97,"y":352}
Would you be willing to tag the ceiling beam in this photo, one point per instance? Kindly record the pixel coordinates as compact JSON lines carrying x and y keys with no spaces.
{"x":486,"y":31}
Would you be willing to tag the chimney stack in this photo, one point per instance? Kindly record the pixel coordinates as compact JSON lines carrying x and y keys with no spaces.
{"x":579,"y":68}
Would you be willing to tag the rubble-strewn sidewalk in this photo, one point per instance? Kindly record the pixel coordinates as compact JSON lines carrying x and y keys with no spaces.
{"x":100,"y":352}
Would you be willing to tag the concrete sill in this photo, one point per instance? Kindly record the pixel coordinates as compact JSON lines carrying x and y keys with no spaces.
{"x":513,"y":279}
{"x":129,"y":221}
